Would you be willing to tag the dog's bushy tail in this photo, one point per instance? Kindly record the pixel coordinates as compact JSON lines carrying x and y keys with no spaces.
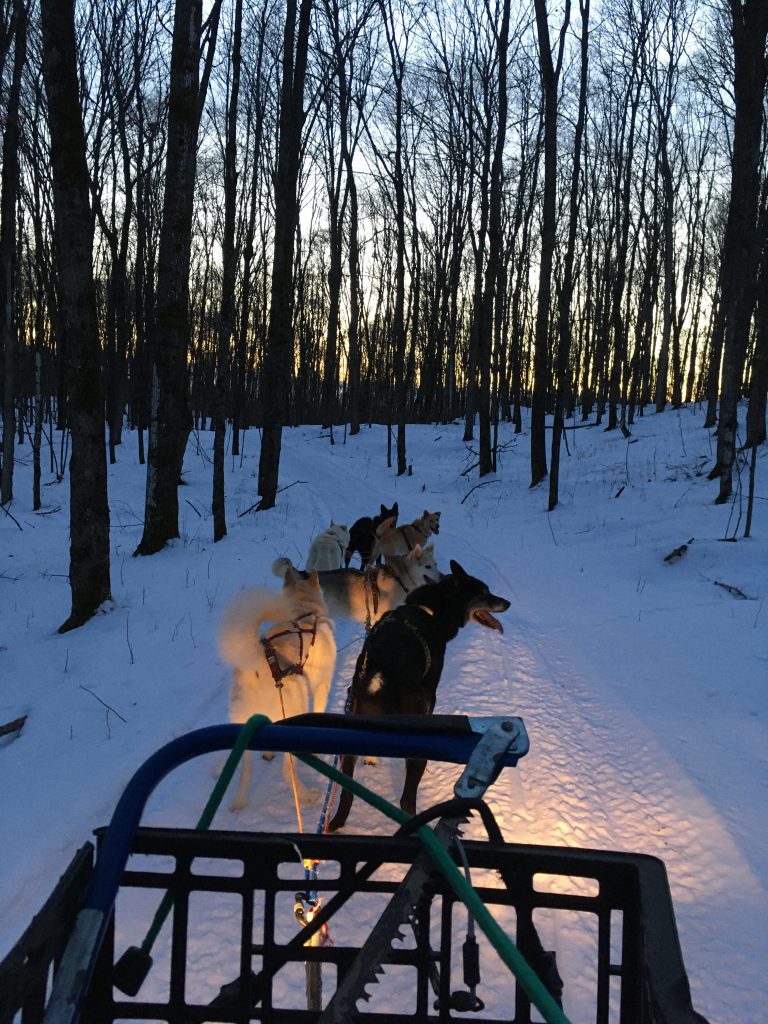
{"x":280,"y":567}
{"x":240,"y":628}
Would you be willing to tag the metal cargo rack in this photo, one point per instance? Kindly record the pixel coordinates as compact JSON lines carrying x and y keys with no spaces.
{"x":403,"y":947}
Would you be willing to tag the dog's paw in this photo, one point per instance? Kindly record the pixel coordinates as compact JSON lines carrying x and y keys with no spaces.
{"x":370,"y":759}
{"x":238,"y":805}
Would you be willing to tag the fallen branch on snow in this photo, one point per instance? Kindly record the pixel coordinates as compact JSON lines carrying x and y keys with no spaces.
{"x":257,"y":507}
{"x":482,"y":484}
{"x":15,"y":726}
{"x":734,"y":590}
{"x":678,"y":552}
{"x":12,"y":517}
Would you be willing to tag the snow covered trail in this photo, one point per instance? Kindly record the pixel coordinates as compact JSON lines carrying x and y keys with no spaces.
{"x":642,"y":685}
{"x":597,"y":777}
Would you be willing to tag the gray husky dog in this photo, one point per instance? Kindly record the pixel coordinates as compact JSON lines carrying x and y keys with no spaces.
{"x":365,"y":595}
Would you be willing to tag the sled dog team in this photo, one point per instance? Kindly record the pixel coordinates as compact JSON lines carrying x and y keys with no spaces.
{"x":282,"y":649}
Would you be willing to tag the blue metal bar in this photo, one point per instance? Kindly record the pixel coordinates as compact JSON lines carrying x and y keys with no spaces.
{"x":320,"y":738}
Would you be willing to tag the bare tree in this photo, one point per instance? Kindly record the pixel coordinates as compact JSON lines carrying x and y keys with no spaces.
{"x":228,"y":274}
{"x":550,"y":75}
{"x":492,"y":291}
{"x":758,"y":384}
{"x":89,"y":509}
{"x":566,"y":290}
{"x":663,"y":81}
{"x":278,"y":356}
{"x":741,"y":246}
{"x":8,"y":201}
{"x":170,"y":412}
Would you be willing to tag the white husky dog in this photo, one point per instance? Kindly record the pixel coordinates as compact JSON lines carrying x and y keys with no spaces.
{"x":327,"y":549}
{"x":297,"y":651}
{"x":365,"y":595}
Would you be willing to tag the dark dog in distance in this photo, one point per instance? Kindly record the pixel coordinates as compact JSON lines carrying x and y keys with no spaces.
{"x":400,"y":664}
{"x":362,"y":535}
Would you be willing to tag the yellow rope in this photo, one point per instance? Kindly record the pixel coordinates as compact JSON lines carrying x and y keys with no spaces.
{"x":292,"y":766}
{"x":312,"y":970}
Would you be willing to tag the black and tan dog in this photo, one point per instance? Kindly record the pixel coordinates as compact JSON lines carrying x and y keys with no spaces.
{"x":400,"y":664}
{"x":362,"y":535}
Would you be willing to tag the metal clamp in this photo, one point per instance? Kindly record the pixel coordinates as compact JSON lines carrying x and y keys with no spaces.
{"x":500,"y":736}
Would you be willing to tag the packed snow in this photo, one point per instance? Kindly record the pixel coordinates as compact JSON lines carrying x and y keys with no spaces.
{"x":643,"y":682}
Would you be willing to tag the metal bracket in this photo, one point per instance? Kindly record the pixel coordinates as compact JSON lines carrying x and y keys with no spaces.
{"x":500,"y":736}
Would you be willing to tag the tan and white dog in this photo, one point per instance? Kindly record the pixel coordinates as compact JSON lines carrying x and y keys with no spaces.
{"x":298,"y":651}
{"x":328,"y":548}
{"x":399,"y":540}
{"x":365,"y":595}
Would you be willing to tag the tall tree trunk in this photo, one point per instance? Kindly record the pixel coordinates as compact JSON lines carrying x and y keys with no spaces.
{"x":170,"y":417}
{"x":228,"y":274}
{"x":714,"y":364}
{"x":399,"y":333}
{"x":89,"y":508}
{"x":758,"y":384}
{"x":566,"y":292}
{"x":550,"y":73}
{"x":741,"y":247}
{"x":276,"y":379}
{"x":354,"y":304}
{"x":493,"y":271}
{"x":8,"y":196}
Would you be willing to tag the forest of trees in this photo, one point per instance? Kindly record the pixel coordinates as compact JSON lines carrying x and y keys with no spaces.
{"x":231,"y":215}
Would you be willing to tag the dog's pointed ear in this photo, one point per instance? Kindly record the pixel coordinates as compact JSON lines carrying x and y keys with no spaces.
{"x":416,"y":552}
{"x":424,"y":514}
{"x":383,"y":510}
{"x":314,"y":579}
{"x":457,"y":570}
{"x":290,"y":576}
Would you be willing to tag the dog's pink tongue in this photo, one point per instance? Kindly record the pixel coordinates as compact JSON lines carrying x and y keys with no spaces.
{"x":486,"y":619}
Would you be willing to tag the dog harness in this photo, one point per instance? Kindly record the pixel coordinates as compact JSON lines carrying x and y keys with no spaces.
{"x":405,"y":536}
{"x":370,"y":577}
{"x":371,"y":587}
{"x":398,"y":615}
{"x":295,"y":668}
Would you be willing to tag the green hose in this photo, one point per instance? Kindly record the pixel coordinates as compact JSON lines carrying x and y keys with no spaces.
{"x":501,"y":942}
{"x":217,"y":793}
{"x":503,"y":945}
